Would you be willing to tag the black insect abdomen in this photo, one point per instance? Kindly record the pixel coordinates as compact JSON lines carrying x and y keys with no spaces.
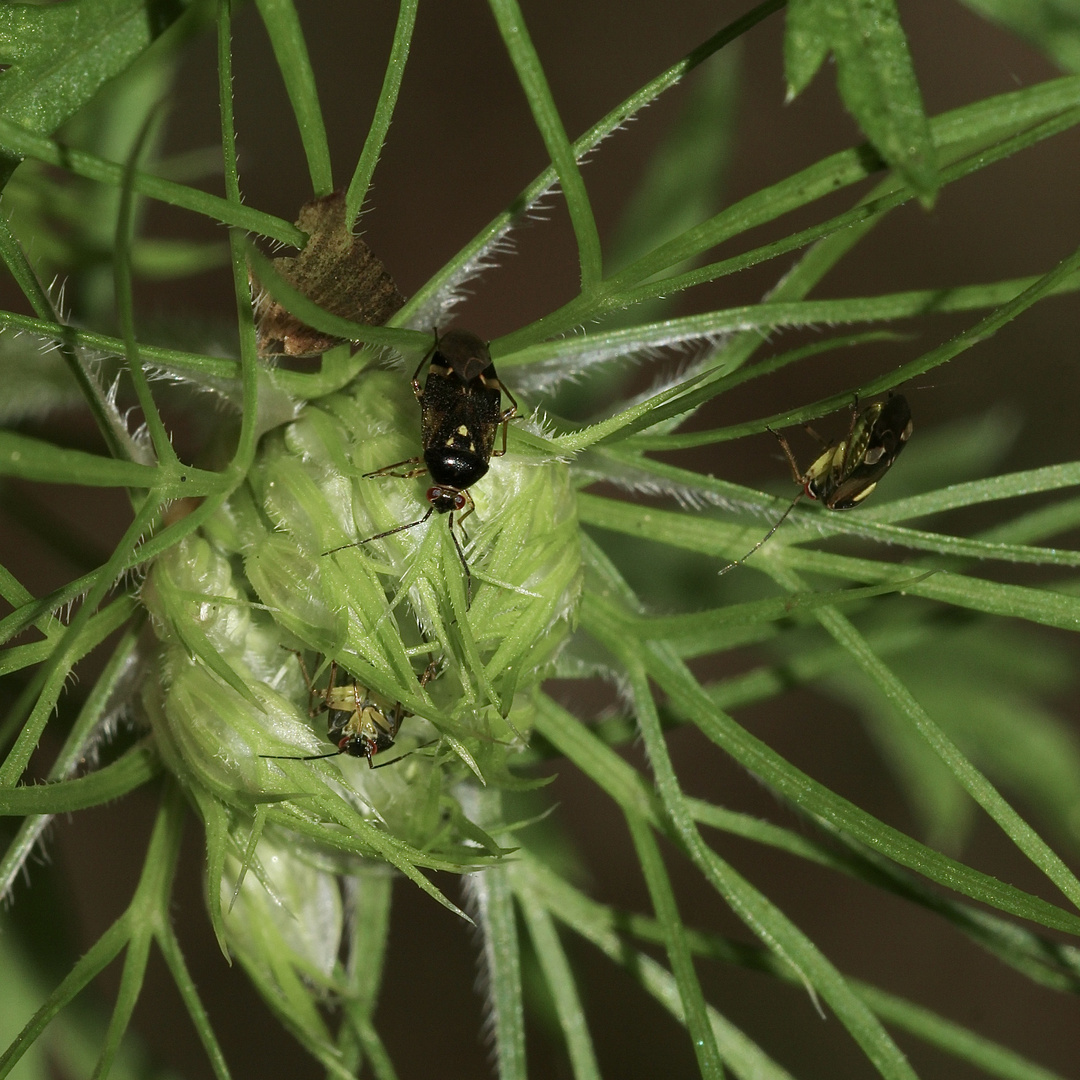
{"x":454,"y":467}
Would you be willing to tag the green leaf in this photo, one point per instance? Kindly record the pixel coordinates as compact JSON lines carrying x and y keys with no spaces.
{"x":61,"y":53}
{"x":557,"y":973}
{"x":34,"y":459}
{"x":682,"y":181}
{"x":874,"y":73}
{"x":530,"y":73}
{"x":290,"y":51}
{"x":597,"y":924}
{"x":1050,"y":25}
{"x":678,"y":950}
{"x":384,"y":111}
{"x":494,"y":900}
{"x":806,"y":43}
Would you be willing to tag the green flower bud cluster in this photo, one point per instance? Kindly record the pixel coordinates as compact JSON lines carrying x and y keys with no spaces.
{"x":229,"y":697}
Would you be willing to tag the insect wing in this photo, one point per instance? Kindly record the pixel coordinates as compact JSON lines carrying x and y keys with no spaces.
{"x":873,"y":448}
{"x":460,"y":416}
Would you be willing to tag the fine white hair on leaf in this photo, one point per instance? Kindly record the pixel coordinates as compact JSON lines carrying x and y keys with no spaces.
{"x":545,"y":376}
{"x":642,"y":482}
{"x":434,"y":310}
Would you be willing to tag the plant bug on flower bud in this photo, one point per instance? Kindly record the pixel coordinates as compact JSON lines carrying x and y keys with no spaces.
{"x":460,"y":413}
{"x":845,"y":473}
{"x":361,"y":722}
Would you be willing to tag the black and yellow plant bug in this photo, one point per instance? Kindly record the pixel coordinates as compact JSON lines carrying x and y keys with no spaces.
{"x":460,"y":413}
{"x":361,"y":722}
{"x":845,"y":473}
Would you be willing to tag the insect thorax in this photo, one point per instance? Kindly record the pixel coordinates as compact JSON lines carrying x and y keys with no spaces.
{"x":363,"y":732}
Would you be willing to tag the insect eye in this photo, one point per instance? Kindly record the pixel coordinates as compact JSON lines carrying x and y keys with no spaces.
{"x":460,"y":501}
{"x":434,"y":493}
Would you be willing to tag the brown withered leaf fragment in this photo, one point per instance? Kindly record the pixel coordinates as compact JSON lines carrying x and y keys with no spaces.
{"x":337,"y":271}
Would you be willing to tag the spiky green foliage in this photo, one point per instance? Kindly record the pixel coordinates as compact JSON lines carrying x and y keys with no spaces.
{"x":255,"y":571}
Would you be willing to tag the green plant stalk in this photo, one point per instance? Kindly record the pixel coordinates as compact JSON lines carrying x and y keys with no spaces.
{"x":384,"y":111}
{"x":24,"y":143}
{"x":148,"y":910}
{"x":558,"y":975}
{"x":682,"y":966}
{"x":763,"y":918}
{"x":600,"y":922}
{"x":581,"y":147}
{"x":530,"y":74}
{"x":290,"y":50}
{"x":741,"y":1053}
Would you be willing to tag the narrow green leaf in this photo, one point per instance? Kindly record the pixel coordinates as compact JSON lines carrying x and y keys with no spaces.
{"x":85,"y":969}
{"x":494,"y":900}
{"x":131,"y":982}
{"x":691,"y":701}
{"x":973,"y":781}
{"x":384,"y":111}
{"x":25,"y":143}
{"x":1050,"y":25}
{"x":97,"y":628}
{"x":459,"y":267}
{"x":874,"y":73}
{"x":68,"y":650}
{"x":925,"y":1025}
{"x":682,"y":965}
{"x":760,"y":916}
{"x":978,"y":492}
{"x":125,"y":307}
{"x":993,"y":1058}
{"x":135,"y":768}
{"x":597,"y":924}
{"x":33,"y":459}
{"x":530,"y":73}
{"x":996,"y":126}
{"x":806,"y":43}
{"x":406,"y":341}
{"x":174,"y":958}
{"x":290,"y":51}
{"x":558,"y":975}
{"x":682,"y":181}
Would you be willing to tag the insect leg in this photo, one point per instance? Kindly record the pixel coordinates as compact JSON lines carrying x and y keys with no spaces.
{"x":417,"y":389}
{"x":429,"y":671}
{"x":506,"y":415}
{"x":394,"y":761}
{"x":461,"y":554}
{"x":387,"y":470}
{"x":796,"y":472}
{"x":307,"y":679}
{"x":850,"y":441}
{"x":470,"y":506}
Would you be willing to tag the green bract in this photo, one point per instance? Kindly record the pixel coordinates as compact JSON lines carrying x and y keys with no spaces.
{"x":233,"y":604}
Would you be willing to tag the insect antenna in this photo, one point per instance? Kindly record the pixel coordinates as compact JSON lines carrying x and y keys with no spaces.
{"x":402,"y":757}
{"x":464,"y":564}
{"x":309,"y":757}
{"x":389,"y":532}
{"x":779,"y":521}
